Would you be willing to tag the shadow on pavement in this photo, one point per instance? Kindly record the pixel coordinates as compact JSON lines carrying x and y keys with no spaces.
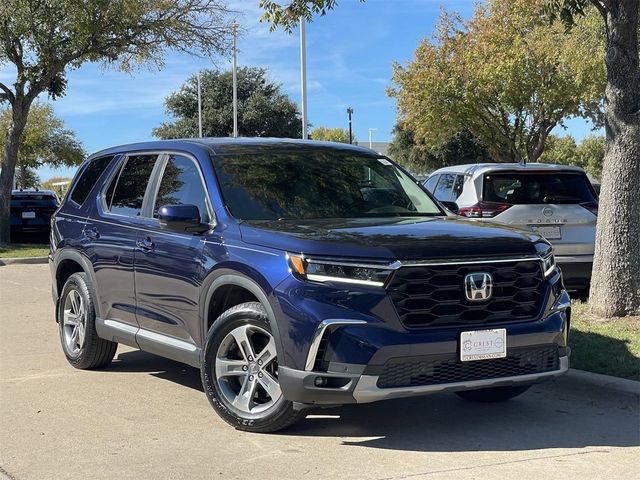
{"x":562,"y":413}
{"x":159,"y":367}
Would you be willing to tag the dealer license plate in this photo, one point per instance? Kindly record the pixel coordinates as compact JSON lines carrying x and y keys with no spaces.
{"x":550,"y":232}
{"x":28,"y":214}
{"x":483,"y":344}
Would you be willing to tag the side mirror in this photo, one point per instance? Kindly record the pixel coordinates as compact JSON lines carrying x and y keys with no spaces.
{"x":451,"y":206}
{"x":181,"y":218}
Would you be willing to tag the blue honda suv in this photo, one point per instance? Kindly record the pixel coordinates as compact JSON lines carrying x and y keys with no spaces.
{"x":296,"y":274}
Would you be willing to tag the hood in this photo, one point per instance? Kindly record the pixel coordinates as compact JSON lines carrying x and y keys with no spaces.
{"x":391,"y":238}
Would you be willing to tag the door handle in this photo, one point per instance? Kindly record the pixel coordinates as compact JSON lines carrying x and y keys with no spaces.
{"x":91,"y":233}
{"x":145,"y":245}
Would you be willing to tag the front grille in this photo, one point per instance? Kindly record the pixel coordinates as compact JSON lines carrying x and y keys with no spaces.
{"x":435,"y":370}
{"x":433,"y":296}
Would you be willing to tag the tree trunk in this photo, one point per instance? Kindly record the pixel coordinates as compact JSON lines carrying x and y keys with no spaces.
{"x":615,"y":284}
{"x":10,"y":157}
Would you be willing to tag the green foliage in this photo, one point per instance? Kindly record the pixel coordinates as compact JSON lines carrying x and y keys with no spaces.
{"x":288,"y":16}
{"x":45,"y":39}
{"x":331,"y":134}
{"x":589,"y":154}
{"x":506,"y":74}
{"x":461,"y":148}
{"x":263,"y":110}
{"x":59,"y":189}
{"x":27,"y":178}
{"x":45,"y":140}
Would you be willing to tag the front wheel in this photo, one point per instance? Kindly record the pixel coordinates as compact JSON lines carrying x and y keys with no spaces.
{"x":240,"y":371}
{"x":495,"y":394}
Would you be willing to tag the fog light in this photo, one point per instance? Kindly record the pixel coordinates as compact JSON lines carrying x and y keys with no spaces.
{"x":320,"y":382}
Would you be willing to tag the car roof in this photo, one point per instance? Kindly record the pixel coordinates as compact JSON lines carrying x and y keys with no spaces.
{"x":479,"y":168}
{"x":224,"y":145}
{"x":26,"y":193}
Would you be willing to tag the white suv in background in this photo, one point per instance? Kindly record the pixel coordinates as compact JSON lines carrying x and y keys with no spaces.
{"x":556,"y":201}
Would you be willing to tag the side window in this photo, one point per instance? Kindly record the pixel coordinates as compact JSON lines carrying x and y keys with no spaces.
{"x":444,"y":187}
{"x":88,"y":178}
{"x":457,"y":187}
{"x":181,"y":184}
{"x":431,"y":183}
{"x":126,"y":193}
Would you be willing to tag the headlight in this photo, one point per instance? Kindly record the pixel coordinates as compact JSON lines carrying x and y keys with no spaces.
{"x":330,"y":271}
{"x":548,"y":264}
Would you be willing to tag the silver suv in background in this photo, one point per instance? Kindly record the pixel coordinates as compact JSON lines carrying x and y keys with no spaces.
{"x":557,"y":201}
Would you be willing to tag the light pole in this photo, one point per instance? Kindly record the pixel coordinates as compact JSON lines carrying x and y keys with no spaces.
{"x":350,"y":112}
{"x":371,"y":130}
{"x":303,"y":77}
{"x":234,"y":27}
{"x":199,"y":108}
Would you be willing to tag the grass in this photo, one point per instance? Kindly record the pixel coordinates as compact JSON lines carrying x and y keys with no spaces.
{"x":611,"y":347}
{"x":22,"y":250}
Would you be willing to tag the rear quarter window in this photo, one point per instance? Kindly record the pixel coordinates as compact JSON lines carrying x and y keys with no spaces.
{"x":518,"y":188}
{"x":88,"y":178}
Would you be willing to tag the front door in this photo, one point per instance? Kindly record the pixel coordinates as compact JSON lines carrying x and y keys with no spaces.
{"x":169,"y":265}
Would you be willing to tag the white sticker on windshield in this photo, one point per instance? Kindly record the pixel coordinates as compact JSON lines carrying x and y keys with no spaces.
{"x":384,"y":161}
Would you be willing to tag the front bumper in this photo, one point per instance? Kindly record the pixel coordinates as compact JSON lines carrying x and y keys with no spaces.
{"x":300,"y":386}
{"x":432,"y":366}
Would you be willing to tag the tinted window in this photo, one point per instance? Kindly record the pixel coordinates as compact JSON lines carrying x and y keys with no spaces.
{"x":443,"y":189}
{"x":528,"y":188}
{"x":88,"y":178}
{"x":431,"y":183}
{"x":180,"y":185}
{"x":131,"y":185}
{"x":318,"y":184}
{"x":458,"y":186}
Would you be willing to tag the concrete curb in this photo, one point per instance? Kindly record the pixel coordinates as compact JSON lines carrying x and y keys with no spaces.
{"x":23,"y":261}
{"x":605,"y":381}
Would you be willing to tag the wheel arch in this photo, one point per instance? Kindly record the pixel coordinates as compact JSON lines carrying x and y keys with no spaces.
{"x":69,"y":262}
{"x":231,"y":279}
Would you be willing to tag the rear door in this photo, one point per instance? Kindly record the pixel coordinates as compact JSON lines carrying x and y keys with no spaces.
{"x":110,"y":236}
{"x":560,"y":205}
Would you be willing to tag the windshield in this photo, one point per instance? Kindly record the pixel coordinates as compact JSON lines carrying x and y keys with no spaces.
{"x":318,"y":184}
{"x":518,"y":188}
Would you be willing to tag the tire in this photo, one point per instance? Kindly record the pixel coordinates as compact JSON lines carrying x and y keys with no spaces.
{"x":76,"y":324}
{"x":229,"y":371}
{"x":490,"y":395}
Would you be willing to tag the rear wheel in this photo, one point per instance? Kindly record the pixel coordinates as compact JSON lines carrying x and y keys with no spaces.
{"x":240,"y":371}
{"x":76,"y":322}
{"x":496,"y":394}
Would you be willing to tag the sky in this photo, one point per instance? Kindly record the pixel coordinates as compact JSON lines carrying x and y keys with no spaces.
{"x":350,"y":53}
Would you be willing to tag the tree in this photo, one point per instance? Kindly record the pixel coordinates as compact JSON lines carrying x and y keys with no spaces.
{"x":44,"y":140}
{"x":588,"y":154}
{"x":263,"y":110}
{"x":460,"y":149}
{"x":506,"y":74}
{"x":287,"y":17}
{"x":615,"y":282}
{"x":330,"y":134}
{"x":42,"y":41}
{"x":27,"y":177}
{"x":57,"y":184}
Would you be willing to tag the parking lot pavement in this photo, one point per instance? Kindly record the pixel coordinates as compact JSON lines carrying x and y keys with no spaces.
{"x":146,"y":417}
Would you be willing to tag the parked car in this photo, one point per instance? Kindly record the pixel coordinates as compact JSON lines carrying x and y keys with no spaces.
{"x":31,"y":212}
{"x":296,"y":274}
{"x":556,"y":201}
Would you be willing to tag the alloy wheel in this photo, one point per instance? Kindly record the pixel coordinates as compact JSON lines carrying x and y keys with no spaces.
{"x":74,"y":321}
{"x":247,"y":370}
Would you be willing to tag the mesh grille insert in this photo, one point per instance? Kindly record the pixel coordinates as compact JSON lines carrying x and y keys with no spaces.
{"x":433,"y":296}
{"x":436,"y":370}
